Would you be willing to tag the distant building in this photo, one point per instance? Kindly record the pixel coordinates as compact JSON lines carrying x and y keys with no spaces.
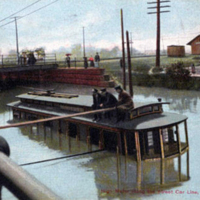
{"x":176,"y":51}
{"x":195,"y":45}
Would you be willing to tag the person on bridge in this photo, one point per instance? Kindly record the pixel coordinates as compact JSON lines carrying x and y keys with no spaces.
{"x":124,"y":104}
{"x":68,"y":60}
{"x":108,"y":101}
{"x":31,"y":59}
{"x":97,"y":60}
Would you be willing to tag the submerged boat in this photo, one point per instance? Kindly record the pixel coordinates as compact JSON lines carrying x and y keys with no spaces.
{"x":148,"y":133}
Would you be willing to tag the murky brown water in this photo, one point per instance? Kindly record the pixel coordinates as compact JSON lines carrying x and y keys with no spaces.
{"x":95,"y":176}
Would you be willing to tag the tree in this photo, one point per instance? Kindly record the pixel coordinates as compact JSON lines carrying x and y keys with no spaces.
{"x":77,"y":51}
{"x":178,"y":76}
{"x":40,"y":52}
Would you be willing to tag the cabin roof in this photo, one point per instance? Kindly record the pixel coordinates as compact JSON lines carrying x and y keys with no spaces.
{"x":147,"y":122}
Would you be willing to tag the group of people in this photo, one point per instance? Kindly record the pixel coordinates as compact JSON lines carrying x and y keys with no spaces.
{"x":105,"y":99}
{"x":27,"y":59}
{"x":94,"y":62}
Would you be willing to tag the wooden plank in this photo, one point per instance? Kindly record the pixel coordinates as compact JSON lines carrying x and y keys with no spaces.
{"x":162,"y":166}
{"x":55,"y":118}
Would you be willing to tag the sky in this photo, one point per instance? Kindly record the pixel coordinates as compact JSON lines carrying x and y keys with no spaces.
{"x":60,"y":25}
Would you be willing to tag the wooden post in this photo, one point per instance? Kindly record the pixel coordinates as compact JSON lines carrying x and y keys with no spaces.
{"x":179,"y":150}
{"x":45,"y":133}
{"x":101,"y":139}
{"x":125,"y":144}
{"x":137,"y":145}
{"x":139,"y":175}
{"x":119,"y":142}
{"x":162,"y":166}
{"x":129,"y":65}
{"x":67,"y":128}
{"x":187,"y":142}
{"x":31,"y":130}
{"x":158,"y":35}
{"x":123,"y":52}
{"x":118,"y":168}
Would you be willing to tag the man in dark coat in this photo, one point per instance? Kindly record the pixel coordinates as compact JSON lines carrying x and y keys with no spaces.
{"x":97,"y":99}
{"x":108,"y":101}
{"x":124,"y":104}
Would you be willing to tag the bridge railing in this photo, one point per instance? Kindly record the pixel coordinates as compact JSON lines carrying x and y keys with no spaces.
{"x":12,"y":60}
{"x":18,"y":181}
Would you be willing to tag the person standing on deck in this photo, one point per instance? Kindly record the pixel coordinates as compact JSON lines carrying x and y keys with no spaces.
{"x":96,"y":104}
{"x":124,"y":104}
{"x":108,"y":101}
{"x":97,"y":60}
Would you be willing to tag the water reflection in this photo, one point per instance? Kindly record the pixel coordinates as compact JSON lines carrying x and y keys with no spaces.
{"x":180,"y":100}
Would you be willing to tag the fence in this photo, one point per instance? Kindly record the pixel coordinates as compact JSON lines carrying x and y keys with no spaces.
{"x":12,"y":60}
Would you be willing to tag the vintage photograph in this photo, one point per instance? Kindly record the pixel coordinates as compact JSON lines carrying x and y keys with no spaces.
{"x":99,"y":100}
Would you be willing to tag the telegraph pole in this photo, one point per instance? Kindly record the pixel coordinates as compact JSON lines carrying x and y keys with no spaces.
{"x":83,"y":43}
{"x":158,"y":11}
{"x":129,"y":65}
{"x":17,"y":44}
{"x":123,"y":52}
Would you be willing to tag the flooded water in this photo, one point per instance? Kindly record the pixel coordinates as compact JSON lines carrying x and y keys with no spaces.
{"x":94,"y":176}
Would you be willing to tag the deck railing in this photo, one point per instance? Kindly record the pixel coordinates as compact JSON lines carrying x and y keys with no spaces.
{"x":18,"y":181}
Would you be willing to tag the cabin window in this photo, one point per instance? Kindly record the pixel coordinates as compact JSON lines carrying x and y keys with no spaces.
{"x":145,"y":110}
{"x":165,"y":135}
{"x":156,"y":108}
{"x":49,"y":104}
{"x":29,"y":101}
{"x":150,"y":138}
{"x":42,"y":102}
{"x":36,"y":102}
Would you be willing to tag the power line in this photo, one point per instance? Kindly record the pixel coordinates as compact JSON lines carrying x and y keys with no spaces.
{"x":30,"y":13}
{"x":19,"y":11}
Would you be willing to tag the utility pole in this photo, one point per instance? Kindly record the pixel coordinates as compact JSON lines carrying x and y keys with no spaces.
{"x":129,"y":65}
{"x":158,"y":11}
{"x":83,"y":43}
{"x":17,"y":44}
{"x":123,"y":52}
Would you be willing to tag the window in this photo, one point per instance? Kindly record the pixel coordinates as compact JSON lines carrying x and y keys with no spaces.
{"x":150,"y":138}
{"x":165,"y":135}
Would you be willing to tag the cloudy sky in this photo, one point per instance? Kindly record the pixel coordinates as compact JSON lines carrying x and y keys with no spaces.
{"x":61,"y":23}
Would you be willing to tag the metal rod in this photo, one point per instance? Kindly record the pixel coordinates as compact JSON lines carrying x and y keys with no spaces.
{"x":129,"y":65}
{"x":123,"y":52}
{"x":21,"y":183}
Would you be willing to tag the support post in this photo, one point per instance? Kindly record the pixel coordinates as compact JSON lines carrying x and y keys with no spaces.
{"x":125,"y":144}
{"x":137,"y":145}
{"x":187,"y":142}
{"x":179,"y":150}
{"x":162,"y":166}
{"x":129,"y":65}
{"x":123,"y":52}
{"x":101,"y":139}
{"x":158,"y":35}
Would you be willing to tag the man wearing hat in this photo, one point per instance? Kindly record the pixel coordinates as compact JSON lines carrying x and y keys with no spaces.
{"x":108,"y":101}
{"x":124,"y":103}
{"x":97,"y":99}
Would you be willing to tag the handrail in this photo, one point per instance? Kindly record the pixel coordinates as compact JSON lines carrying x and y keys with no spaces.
{"x":23,"y":185}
